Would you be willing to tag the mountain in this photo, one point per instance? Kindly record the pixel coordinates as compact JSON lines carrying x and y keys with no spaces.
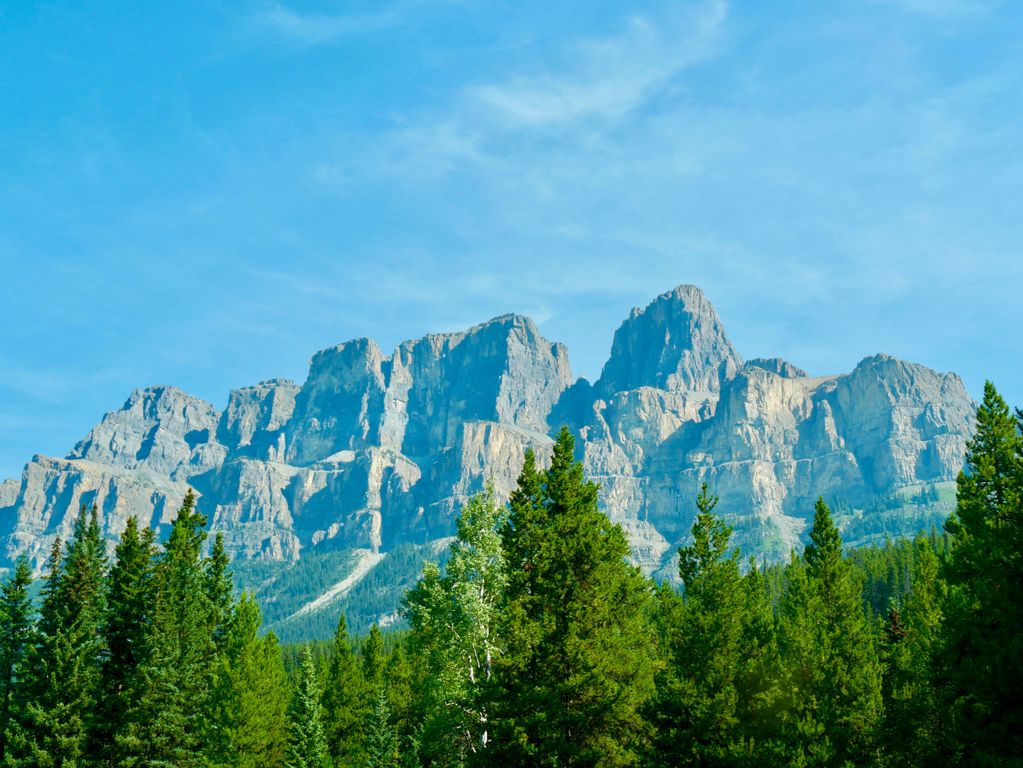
{"x":374,"y":452}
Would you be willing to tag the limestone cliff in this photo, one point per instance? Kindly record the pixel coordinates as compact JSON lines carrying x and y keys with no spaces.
{"x":376,"y":449}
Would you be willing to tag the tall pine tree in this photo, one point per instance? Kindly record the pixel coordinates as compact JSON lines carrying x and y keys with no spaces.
{"x":981,"y":669}
{"x":16,"y":612}
{"x":345,"y":703}
{"x":128,"y":606}
{"x":61,"y":670}
{"x":576,"y":671}
{"x":250,"y":706}
{"x":833,"y":671}
{"x":307,"y":747}
{"x":170,"y":724}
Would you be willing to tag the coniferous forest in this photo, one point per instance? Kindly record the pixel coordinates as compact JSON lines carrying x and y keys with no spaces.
{"x":538,"y":644}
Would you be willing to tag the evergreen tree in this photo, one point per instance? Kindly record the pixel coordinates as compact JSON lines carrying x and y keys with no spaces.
{"x":220,"y":590}
{"x":982,"y":642}
{"x":834,"y":675}
{"x":15,"y":636}
{"x":913,"y":729}
{"x":707,"y":701}
{"x":345,"y":704}
{"x":381,"y":741}
{"x":61,"y":670}
{"x":250,"y":703}
{"x":372,"y":653}
{"x":576,"y":670}
{"x":307,"y":746}
{"x":453,"y":619}
{"x":128,"y":605}
{"x":170,"y":724}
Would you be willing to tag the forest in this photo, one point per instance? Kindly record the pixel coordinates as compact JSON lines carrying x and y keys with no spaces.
{"x":539,"y":644}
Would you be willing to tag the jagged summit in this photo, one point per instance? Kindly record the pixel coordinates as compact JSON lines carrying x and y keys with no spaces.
{"x":374,"y":449}
{"x":676,"y":343}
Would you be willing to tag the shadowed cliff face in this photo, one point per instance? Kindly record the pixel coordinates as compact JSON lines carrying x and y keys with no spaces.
{"x":374,"y":450}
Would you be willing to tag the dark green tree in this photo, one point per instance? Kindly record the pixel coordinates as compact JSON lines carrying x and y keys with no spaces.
{"x":128,"y":606}
{"x":711,"y":693}
{"x":171,"y":723}
{"x":981,"y":660}
{"x":16,"y":613}
{"x":61,"y":670}
{"x":307,"y":747}
{"x":833,"y":681}
{"x":381,"y":740}
{"x":373,"y":659}
{"x":345,"y":703}
{"x":250,"y":706}
{"x":577,"y":666}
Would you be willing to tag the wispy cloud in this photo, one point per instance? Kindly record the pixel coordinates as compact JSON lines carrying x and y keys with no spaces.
{"x":608,"y":77}
{"x":317,"y":29}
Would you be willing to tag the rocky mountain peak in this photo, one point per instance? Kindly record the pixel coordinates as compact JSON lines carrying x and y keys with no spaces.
{"x":676,"y":343}
{"x":161,"y":428}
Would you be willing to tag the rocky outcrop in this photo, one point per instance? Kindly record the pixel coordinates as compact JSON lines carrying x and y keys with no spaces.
{"x":376,"y":449}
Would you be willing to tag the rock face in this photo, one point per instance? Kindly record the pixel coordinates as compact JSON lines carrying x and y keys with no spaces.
{"x":374,"y":450}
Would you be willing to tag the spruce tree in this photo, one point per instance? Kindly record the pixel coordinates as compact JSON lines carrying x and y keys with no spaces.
{"x":61,"y":670}
{"x":307,"y":746}
{"x":250,"y":705}
{"x":913,"y":731}
{"x":169,"y":726}
{"x":710,"y":692}
{"x":372,"y":653}
{"x":833,"y":672}
{"x":128,"y":608}
{"x":381,"y":741}
{"x":345,"y":703}
{"x":577,"y":669}
{"x":981,"y":669}
{"x":16,"y":612}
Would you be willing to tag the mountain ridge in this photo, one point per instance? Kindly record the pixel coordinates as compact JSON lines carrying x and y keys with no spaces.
{"x":373,"y":450}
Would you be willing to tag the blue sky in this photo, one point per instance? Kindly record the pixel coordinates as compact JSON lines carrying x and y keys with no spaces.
{"x":205,"y":193}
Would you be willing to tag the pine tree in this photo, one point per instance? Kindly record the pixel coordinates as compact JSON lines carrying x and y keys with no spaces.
{"x":454,"y":619}
{"x":834,"y":676}
{"x":913,"y":728}
{"x":981,"y":670}
{"x":705,"y":710}
{"x":372,"y":653}
{"x":250,"y":706}
{"x":220,"y":590}
{"x":381,"y":741}
{"x":307,"y":747}
{"x":15,"y":636}
{"x":61,"y":670}
{"x":577,"y":668}
{"x":170,"y":724}
{"x":345,"y":703}
{"x":128,"y":606}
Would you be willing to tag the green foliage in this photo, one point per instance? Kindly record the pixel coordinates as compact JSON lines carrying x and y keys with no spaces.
{"x":833,"y":674}
{"x":307,"y":747}
{"x":454,"y":627}
{"x":345,"y":703}
{"x":981,"y":664}
{"x":577,"y":666}
{"x":713,"y":699}
{"x":61,"y":668}
{"x":250,"y":702}
{"x":124,"y":630}
{"x":15,"y":636}
{"x":537,"y":644}
{"x":171,"y":722}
